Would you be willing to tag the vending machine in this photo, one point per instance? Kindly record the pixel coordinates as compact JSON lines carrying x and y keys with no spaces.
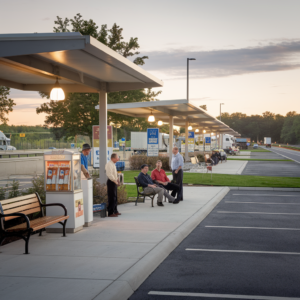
{"x":63,"y":185}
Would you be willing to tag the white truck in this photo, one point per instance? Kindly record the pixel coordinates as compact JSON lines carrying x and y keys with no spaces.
{"x":267,"y":142}
{"x":5,"y":142}
{"x":139,"y":142}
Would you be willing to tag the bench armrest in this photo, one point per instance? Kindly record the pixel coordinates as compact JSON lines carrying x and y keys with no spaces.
{"x":17,"y":215}
{"x":56,"y":204}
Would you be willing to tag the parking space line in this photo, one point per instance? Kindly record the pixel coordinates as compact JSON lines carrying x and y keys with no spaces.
{"x":265,"y":195}
{"x":254,"y":212}
{"x":263,"y":203}
{"x":229,"y":296}
{"x":237,"y":227}
{"x":243,"y":251}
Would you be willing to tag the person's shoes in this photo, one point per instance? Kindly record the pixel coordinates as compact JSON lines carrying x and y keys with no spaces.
{"x":112,"y":216}
{"x":159,"y":204}
{"x":117,"y":213}
{"x":175,"y":201}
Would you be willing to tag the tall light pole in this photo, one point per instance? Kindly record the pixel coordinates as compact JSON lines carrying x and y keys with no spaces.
{"x":220,"y":111}
{"x":187,"y":85}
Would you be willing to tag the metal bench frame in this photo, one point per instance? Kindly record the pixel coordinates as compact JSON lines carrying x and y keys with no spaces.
{"x":143,"y":194}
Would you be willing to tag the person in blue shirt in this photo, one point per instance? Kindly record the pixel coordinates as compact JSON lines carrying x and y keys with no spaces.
{"x":86,"y":149}
{"x":176,"y":166}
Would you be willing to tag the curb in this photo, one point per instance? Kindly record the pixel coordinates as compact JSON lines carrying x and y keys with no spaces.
{"x":128,"y":282}
{"x":241,"y":169}
{"x":264,"y":189}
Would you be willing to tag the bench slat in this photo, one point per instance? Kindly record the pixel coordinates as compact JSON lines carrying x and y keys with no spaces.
{"x":3,"y":202}
{"x":19,"y":204}
{"x":22,"y":209}
{"x":27,"y":212}
{"x":39,"y":223}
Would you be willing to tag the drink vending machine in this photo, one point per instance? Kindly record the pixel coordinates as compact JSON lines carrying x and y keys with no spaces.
{"x":63,"y":185}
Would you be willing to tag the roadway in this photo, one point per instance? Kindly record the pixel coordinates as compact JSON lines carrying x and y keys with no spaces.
{"x":246,"y":248}
{"x":286,"y":153}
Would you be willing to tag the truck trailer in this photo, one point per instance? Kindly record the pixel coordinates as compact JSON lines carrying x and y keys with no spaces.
{"x":267,"y":142}
{"x":5,"y":142}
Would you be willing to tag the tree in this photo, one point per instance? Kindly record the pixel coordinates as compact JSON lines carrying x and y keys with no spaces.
{"x":203,"y":107}
{"x":76,"y":114}
{"x":6,"y":104}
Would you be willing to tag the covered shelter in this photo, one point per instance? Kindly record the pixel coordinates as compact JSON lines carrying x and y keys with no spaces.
{"x":175,"y":112}
{"x":33,"y":62}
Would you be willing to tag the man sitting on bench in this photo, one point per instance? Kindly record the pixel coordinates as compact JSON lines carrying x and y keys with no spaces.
{"x":159,"y":176}
{"x":149,"y":186}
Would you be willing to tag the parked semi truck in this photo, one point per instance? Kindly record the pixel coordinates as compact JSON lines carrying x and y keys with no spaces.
{"x":267,"y":142}
{"x":139,"y":142}
{"x":5,"y":142}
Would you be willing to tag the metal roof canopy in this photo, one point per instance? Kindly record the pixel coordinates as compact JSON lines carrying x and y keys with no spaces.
{"x":32,"y":62}
{"x":181,"y":110}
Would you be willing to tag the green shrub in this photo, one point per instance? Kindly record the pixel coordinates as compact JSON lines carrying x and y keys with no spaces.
{"x":201,"y":157}
{"x":37,"y":187}
{"x":135,"y":161}
{"x":14,"y":192}
{"x":2,"y":193}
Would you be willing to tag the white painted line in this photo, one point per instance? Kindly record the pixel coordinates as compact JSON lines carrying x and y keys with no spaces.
{"x":243,"y":251}
{"x":287,"y":156}
{"x":254,"y":212}
{"x":229,"y":296}
{"x":267,"y":228}
{"x":271,"y":203}
{"x":269,"y":195}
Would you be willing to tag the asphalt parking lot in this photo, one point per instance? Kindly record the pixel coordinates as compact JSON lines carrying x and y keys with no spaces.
{"x":246,"y":248}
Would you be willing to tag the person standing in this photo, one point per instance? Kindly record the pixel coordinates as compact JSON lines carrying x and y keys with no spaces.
{"x":112,"y":186}
{"x":86,"y":149}
{"x":176,"y":166}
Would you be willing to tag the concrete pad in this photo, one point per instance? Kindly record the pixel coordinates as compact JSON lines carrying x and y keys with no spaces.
{"x":240,"y":157}
{"x":108,"y":260}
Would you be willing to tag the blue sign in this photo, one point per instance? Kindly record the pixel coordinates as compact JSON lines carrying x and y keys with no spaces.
{"x":152,"y":141}
{"x":99,"y":207}
{"x":191,"y":134}
{"x":123,"y":139}
{"x":72,"y":145}
{"x":207,"y":140}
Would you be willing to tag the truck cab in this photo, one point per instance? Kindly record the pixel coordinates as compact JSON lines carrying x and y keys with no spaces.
{"x":5,"y":142}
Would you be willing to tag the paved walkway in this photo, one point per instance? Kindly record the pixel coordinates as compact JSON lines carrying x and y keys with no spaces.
{"x":108,"y":260}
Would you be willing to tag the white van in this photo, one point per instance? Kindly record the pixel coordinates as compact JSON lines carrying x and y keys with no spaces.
{"x":5,"y":142}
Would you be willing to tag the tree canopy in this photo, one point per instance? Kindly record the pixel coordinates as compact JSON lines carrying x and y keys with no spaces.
{"x":76,"y":114}
{"x":6,"y":104}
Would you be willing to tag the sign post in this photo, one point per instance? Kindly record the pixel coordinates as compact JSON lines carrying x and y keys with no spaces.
{"x":152,"y":141}
{"x":191,"y":141}
{"x":96,"y":144}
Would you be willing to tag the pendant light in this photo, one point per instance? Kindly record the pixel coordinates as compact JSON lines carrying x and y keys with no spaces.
{"x":151,"y":118}
{"x":57,"y":92}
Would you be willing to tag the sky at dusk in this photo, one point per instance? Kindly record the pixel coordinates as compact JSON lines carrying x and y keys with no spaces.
{"x":247,"y":52}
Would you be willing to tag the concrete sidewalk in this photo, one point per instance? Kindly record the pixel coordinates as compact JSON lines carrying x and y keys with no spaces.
{"x":230,"y":167}
{"x":108,"y":260}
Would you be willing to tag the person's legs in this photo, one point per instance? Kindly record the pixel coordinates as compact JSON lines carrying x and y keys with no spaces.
{"x":116,"y":199}
{"x":179,"y":179}
{"x":160,"y":193}
{"x":110,"y":197}
{"x":172,"y":187}
{"x":167,"y":195}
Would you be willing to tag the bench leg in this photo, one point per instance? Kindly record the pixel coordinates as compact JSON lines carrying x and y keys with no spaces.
{"x":64,"y":228}
{"x":2,"y":240}
{"x":152,"y":201}
{"x":137,"y":198}
{"x":27,"y":242}
{"x":41,"y":232}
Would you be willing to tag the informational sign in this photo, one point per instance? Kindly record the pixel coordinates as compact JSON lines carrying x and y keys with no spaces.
{"x":122,"y":142}
{"x":79,"y":208}
{"x":152,"y":141}
{"x":72,"y":146}
{"x":207,"y":140}
{"x":22,"y":134}
{"x":96,"y":144}
{"x":191,"y":141}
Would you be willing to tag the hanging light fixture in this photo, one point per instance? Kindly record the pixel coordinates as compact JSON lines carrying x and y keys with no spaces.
{"x":57,"y":92}
{"x":160,"y":123}
{"x":190,"y":128}
{"x":212,"y":133}
{"x":204,"y":131}
{"x":197,"y":130}
{"x":151,"y":118}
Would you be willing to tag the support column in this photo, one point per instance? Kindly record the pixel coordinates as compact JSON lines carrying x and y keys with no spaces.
{"x":186,"y":156}
{"x":102,"y":135}
{"x":171,"y":130}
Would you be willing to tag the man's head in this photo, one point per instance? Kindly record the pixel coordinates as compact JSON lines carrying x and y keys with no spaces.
{"x":175,"y":150}
{"x":86,"y":149}
{"x":158,"y":164}
{"x":114,"y":157}
{"x":144,"y":169}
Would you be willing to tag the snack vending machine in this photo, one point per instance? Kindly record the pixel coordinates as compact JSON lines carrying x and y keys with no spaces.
{"x":63,"y":185}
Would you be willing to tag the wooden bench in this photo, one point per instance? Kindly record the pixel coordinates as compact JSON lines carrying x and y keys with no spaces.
{"x":142,"y":193}
{"x":21,"y":207}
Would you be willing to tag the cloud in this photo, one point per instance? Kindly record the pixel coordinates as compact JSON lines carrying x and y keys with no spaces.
{"x":275,"y":56}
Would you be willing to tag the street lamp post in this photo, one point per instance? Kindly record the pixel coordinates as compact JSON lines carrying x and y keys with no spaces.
{"x":220,"y":111}
{"x":187,"y":85}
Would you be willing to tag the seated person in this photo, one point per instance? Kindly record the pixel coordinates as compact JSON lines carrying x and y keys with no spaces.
{"x":149,"y":186}
{"x":159,"y":176}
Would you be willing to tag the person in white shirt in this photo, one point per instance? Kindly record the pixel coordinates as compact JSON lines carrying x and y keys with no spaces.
{"x":176,"y":166}
{"x":112,"y":186}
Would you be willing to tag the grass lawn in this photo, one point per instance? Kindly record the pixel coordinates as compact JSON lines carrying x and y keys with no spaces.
{"x":258,"y":159}
{"x":224,"y":180}
{"x":256,"y":150}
